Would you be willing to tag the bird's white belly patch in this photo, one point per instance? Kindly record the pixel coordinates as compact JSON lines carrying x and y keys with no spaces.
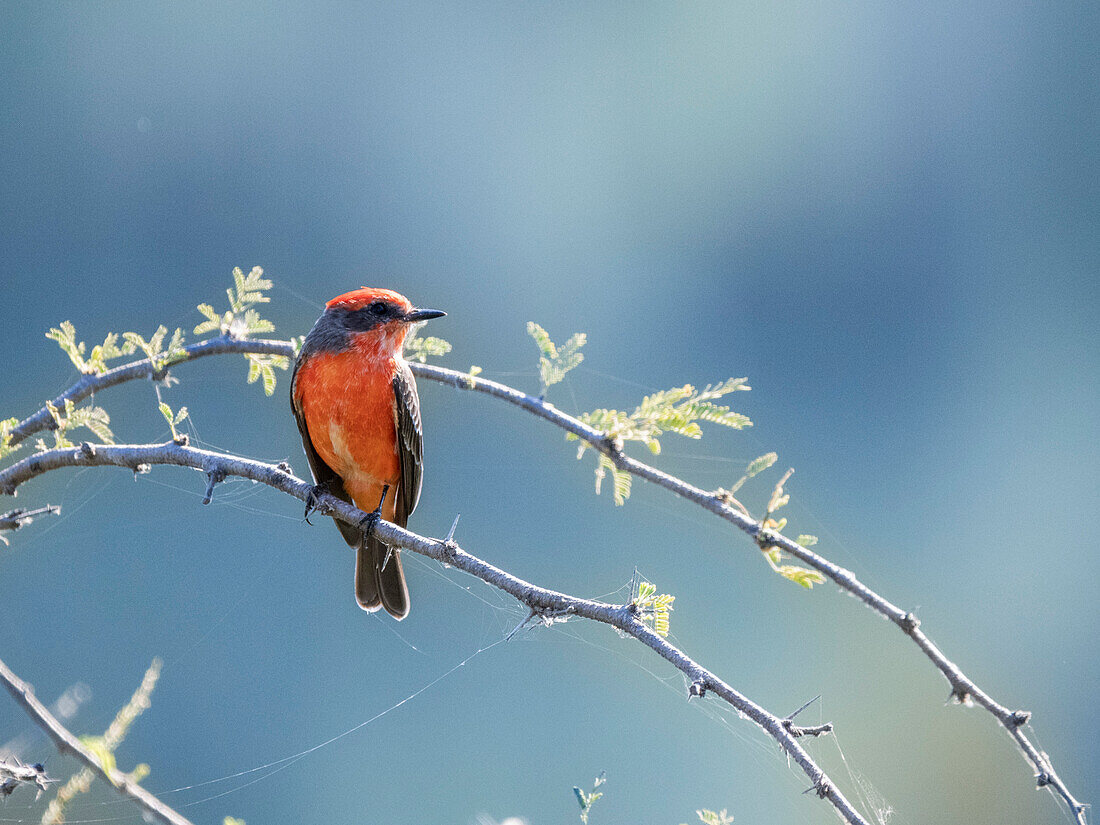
{"x":340,"y":446}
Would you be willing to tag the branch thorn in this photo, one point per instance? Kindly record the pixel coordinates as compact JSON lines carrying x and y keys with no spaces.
{"x":806,"y":705}
{"x":522,"y":624}
{"x":213,"y":478}
{"x":451,"y":533}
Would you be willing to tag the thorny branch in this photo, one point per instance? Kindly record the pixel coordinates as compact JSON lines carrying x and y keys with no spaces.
{"x":144,"y":368}
{"x":19,"y":517}
{"x":963,"y":689}
{"x":541,"y":601}
{"x":68,"y":743}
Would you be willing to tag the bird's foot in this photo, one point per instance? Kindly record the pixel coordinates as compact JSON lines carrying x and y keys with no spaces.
{"x":313,"y":498}
{"x":367,"y":523}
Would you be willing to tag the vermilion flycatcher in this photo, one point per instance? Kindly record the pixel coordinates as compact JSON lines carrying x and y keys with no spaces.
{"x":355,"y":401}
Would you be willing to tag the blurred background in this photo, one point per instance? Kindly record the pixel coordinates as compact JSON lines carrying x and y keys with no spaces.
{"x":884,"y":216}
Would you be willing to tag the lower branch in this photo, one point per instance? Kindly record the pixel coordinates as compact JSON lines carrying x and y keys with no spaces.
{"x":962,"y":687}
{"x":541,"y":601}
{"x":67,"y":743}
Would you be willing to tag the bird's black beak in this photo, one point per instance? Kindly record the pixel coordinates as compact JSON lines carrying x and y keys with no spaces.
{"x":418,"y":315}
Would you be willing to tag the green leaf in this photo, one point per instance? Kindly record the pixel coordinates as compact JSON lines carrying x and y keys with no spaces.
{"x":653,"y":608}
{"x":65,"y":335}
{"x":254,"y":324}
{"x":241,"y":321}
{"x":6,"y":447}
{"x":555,"y":361}
{"x":800,"y":575}
{"x":97,"y":745}
{"x":94,"y":419}
{"x":712,"y":818}
{"x":421,"y":349}
{"x":620,"y":479}
{"x":585,"y":800}
{"x":154,"y":349}
{"x":677,"y":410}
{"x":542,"y":340}
{"x":758,"y":465}
{"x":102,"y":353}
{"x":263,"y":367}
{"x":269,"y":379}
{"x":91,"y":417}
{"x":173,"y":420}
{"x":806,"y":540}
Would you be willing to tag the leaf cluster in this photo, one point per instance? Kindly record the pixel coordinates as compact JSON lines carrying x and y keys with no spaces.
{"x":173,"y":419}
{"x":6,"y":447}
{"x":421,"y":349}
{"x":104,"y":747}
{"x":71,"y":418}
{"x":653,"y":608}
{"x":713,"y":817}
{"x":263,"y":367}
{"x":770,"y":525}
{"x":555,"y":361}
{"x":585,"y":800}
{"x":160,"y":355}
{"x":241,"y":320}
{"x":678,"y":410}
{"x":96,"y":363}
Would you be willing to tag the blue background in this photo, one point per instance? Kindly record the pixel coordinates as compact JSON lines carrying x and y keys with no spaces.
{"x":884,"y":216}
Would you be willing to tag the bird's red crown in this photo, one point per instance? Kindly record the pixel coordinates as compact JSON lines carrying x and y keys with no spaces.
{"x":366,"y":295}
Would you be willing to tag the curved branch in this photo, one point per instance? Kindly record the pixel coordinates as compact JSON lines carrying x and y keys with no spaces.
{"x":541,"y":601}
{"x":93,"y":383}
{"x":963,"y":688}
{"x":67,"y":743}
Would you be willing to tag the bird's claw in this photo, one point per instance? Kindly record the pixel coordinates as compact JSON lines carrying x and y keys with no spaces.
{"x":313,"y":498}
{"x":368,"y":522}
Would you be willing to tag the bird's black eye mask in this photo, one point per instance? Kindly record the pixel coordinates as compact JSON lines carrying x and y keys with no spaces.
{"x":372,"y":315}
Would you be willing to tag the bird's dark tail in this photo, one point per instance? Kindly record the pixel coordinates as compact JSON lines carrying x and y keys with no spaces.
{"x":376,"y":586}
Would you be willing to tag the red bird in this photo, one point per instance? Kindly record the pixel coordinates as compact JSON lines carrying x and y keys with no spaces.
{"x":355,"y":401}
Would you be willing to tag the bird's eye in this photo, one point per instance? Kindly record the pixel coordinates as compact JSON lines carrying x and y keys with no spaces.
{"x":378,"y":308}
